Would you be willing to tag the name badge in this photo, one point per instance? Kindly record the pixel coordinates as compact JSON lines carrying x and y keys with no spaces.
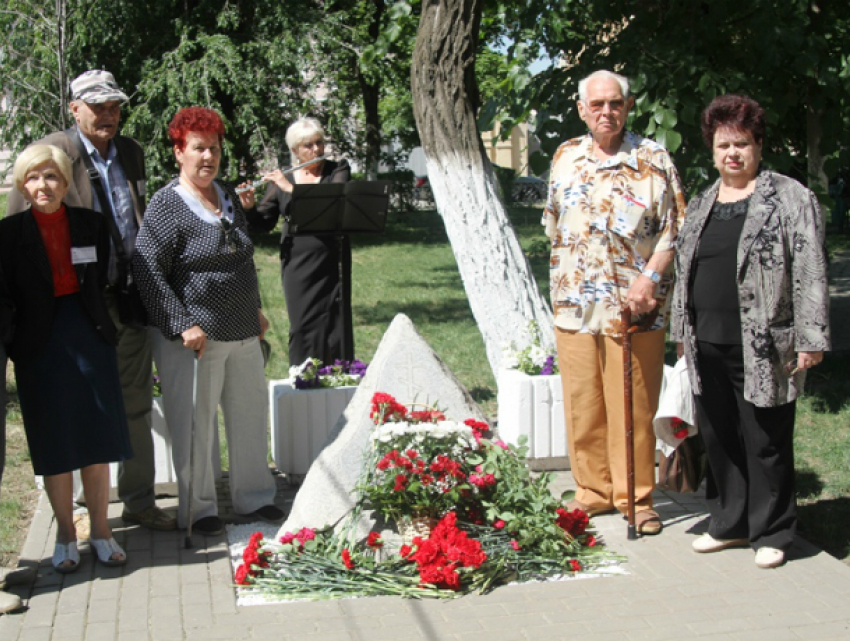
{"x":83,"y":255}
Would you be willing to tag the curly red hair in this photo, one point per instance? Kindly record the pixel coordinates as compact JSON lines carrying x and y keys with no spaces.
{"x":736,"y":112}
{"x":197,"y":120}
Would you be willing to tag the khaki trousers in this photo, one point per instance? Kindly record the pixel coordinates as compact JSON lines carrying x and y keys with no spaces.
{"x":592,"y":378}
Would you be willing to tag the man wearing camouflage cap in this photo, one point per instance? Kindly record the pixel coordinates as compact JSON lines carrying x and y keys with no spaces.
{"x":98,"y":152}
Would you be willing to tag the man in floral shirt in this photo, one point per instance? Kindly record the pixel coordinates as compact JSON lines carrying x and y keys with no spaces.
{"x":614,"y":210}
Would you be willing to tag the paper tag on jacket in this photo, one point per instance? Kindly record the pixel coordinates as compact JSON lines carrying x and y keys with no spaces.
{"x":82,"y":255}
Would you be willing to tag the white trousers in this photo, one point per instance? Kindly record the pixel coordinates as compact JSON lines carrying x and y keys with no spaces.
{"x":230,"y":374}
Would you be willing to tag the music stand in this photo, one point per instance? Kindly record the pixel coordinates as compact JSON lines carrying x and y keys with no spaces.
{"x":339,"y":209}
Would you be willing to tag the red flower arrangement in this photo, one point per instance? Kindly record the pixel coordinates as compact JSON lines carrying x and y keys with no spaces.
{"x":439,"y":557}
{"x":419,"y":460}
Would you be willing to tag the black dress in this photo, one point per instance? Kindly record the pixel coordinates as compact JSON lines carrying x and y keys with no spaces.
{"x":316,"y":276}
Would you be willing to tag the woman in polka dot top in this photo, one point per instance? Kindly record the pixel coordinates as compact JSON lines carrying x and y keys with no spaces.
{"x":195,"y":271}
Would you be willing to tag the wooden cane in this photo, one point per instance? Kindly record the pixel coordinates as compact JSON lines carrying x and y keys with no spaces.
{"x":628,"y":413}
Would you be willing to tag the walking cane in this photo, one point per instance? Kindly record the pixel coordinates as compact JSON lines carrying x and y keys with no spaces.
{"x":628,"y":411}
{"x":188,"y":543}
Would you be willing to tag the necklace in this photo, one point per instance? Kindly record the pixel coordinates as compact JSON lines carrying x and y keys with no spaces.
{"x":206,"y":203}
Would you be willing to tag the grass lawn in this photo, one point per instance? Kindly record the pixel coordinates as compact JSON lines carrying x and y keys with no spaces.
{"x":411,"y":269}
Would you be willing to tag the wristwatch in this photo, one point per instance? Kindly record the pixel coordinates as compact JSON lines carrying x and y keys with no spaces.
{"x":652,"y":275}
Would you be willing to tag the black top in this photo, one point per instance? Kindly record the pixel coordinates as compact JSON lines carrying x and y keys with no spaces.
{"x":714,"y":287}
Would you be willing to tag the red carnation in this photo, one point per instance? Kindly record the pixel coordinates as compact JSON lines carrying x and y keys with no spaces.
{"x":374,"y":540}
{"x":575,"y":566}
{"x":243,"y":576}
{"x":400,"y":482}
{"x":574,"y":523}
{"x":346,"y":559}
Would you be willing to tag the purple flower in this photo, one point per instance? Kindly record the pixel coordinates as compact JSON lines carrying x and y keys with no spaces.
{"x":306,"y":383}
{"x":357,"y":367}
{"x":548,"y":367}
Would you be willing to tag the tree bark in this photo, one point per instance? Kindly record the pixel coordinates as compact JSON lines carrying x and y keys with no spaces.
{"x":501,"y":289}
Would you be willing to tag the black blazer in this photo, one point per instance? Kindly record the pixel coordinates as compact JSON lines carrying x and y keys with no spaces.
{"x":29,"y":279}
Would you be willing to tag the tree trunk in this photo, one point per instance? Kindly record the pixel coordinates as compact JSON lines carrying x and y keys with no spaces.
{"x":371,"y":98}
{"x":501,"y":289}
{"x":370,"y":89}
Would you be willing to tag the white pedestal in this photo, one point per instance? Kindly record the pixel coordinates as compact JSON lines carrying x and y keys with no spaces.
{"x":301,"y":421}
{"x":533,"y":406}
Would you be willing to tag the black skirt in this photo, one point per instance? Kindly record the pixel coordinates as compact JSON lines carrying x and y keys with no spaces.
{"x":70,"y":396}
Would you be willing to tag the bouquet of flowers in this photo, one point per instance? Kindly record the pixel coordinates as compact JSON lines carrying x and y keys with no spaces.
{"x":496,"y":524}
{"x":533,"y":359}
{"x":419,"y":464}
{"x":312,"y":374}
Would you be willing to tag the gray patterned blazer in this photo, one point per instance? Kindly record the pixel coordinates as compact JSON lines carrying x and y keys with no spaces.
{"x":782,"y":285}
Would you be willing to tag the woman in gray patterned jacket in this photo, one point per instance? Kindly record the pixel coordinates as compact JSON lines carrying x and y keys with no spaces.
{"x":751,"y":314}
{"x":195,"y":270}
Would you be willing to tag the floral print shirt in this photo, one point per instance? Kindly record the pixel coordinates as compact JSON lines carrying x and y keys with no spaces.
{"x":605,"y":220}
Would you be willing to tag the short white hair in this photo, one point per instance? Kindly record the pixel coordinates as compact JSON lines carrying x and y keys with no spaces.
{"x":603,"y":73}
{"x":301,"y":130}
{"x":36,"y":156}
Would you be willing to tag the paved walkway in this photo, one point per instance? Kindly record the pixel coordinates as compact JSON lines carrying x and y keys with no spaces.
{"x":168,"y":593}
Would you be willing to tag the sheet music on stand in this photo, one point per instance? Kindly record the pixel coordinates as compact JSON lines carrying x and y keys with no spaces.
{"x":340,"y":208}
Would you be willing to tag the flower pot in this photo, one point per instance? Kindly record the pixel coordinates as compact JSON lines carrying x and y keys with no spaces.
{"x":533,"y":406}
{"x":302,"y":421}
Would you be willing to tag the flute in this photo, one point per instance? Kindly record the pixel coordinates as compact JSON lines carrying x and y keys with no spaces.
{"x":263,"y":181}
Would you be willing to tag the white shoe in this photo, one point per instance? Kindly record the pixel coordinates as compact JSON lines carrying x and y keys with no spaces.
{"x":9,"y":602}
{"x":707,"y":543}
{"x":769,"y":557}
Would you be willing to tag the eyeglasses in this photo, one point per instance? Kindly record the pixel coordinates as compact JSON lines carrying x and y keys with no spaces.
{"x":227,"y":229}
{"x":596,"y":106}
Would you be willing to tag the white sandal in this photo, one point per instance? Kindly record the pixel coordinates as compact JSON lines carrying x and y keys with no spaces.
{"x":104,"y":549}
{"x":66,"y":552}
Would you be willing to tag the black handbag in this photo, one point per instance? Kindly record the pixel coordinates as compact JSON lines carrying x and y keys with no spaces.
{"x":684,"y":470}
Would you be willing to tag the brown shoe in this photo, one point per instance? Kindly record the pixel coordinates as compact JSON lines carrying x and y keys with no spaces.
{"x":152,"y":518}
{"x":647,"y":522}
{"x":575,"y":504}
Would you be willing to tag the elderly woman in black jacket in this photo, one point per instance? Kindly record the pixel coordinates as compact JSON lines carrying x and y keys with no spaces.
{"x":751,"y":308}
{"x":195,"y":271}
{"x":54,"y":259}
{"x":315,"y":268}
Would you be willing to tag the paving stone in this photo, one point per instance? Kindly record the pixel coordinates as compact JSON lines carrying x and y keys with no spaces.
{"x":133,"y":635}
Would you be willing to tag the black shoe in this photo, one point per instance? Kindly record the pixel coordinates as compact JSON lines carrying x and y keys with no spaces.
{"x":208,"y":526}
{"x":267,"y":513}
